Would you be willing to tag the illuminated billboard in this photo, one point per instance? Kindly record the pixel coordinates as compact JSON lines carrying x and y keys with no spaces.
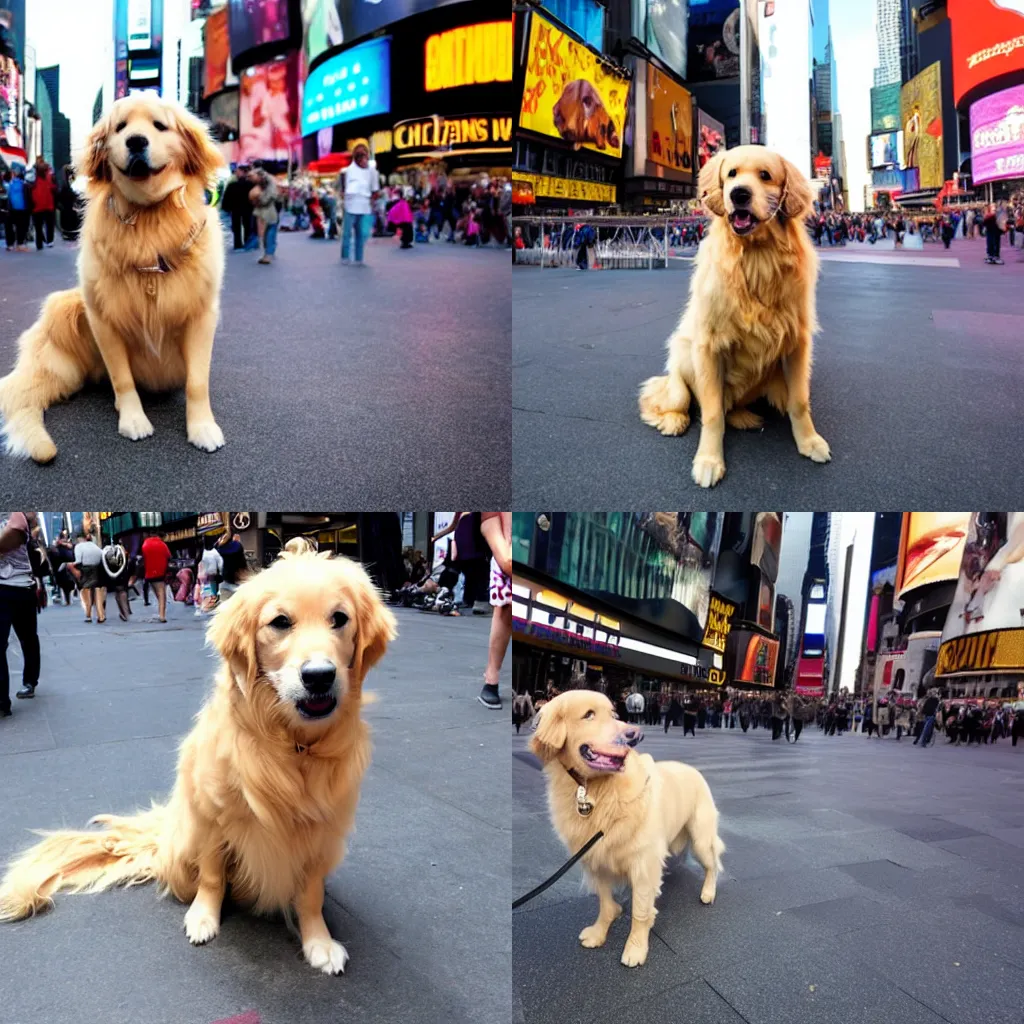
{"x":710,"y":137}
{"x":784,"y":30}
{"x":669,"y":124}
{"x":997,"y":136}
{"x":572,"y":94}
{"x":268,"y":112}
{"x":921,"y":114}
{"x":355,"y":83}
{"x":984,"y":630}
{"x":468,"y":55}
{"x":988,"y":41}
{"x":887,"y":150}
{"x":931,"y":547}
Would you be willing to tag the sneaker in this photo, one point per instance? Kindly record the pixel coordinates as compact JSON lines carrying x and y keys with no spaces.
{"x":49,"y":245}
{"x":489,"y":697}
{"x":346,"y":262}
{"x":26,"y":692}
{"x":481,"y":608}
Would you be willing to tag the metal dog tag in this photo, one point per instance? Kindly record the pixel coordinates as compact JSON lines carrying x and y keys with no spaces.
{"x":583,"y":805}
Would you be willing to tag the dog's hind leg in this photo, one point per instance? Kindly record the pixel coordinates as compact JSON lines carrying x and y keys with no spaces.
{"x":665,"y":404}
{"x":595,"y":934}
{"x":707,"y":848}
{"x":49,"y":368}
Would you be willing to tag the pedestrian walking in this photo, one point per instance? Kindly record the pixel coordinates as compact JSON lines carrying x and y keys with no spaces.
{"x":496,"y":528}
{"x":210,"y":571}
{"x":235,"y":566}
{"x":993,"y":226}
{"x":16,"y":224}
{"x":236,"y":204}
{"x":263,"y":195}
{"x":117,"y":575}
{"x":522,"y":709}
{"x":19,"y":604}
{"x":88,"y":569}
{"x":690,"y":715}
{"x":928,"y":709}
{"x":156,"y":556}
{"x":44,"y":203}
{"x":359,"y":183}
{"x":70,"y":206}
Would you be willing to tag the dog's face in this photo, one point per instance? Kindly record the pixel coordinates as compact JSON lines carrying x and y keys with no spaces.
{"x":300,"y":637}
{"x":580,"y":116}
{"x":753,"y":187}
{"x":580,"y":731}
{"x":148,"y":147}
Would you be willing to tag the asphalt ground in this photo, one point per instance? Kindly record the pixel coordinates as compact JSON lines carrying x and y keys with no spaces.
{"x":917,"y":381}
{"x":421,"y":900}
{"x":866,"y":881}
{"x":356,"y":387}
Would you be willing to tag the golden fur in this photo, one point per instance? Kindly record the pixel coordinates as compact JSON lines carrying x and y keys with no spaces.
{"x":747,"y":329}
{"x":264,"y":797}
{"x":148,"y":329}
{"x":648,"y":811}
{"x":580,"y":117}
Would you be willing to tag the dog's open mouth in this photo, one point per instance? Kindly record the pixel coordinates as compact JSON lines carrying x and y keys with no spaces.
{"x":603,"y":760}
{"x":742,"y":221}
{"x":139,"y":169}
{"x":316,"y":707}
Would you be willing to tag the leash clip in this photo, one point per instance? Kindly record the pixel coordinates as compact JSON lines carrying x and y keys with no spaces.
{"x":583,"y":806}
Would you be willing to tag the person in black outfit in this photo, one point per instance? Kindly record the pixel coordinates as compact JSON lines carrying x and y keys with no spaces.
{"x":235,"y":565}
{"x":690,"y":715}
{"x":236,"y":202}
{"x":20,"y":594}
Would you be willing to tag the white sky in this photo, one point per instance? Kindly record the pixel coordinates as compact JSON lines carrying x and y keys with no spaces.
{"x":856,"y":53}
{"x":76,"y":34}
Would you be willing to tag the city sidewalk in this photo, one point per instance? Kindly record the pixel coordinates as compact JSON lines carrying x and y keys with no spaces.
{"x":866,"y":882}
{"x":421,"y":901}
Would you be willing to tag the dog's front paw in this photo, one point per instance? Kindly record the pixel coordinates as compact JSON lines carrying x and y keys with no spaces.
{"x":134,"y":424}
{"x":206,"y":435}
{"x":326,"y":955}
{"x":815,"y":448}
{"x":708,"y":470}
{"x":635,"y":952}
{"x":200,"y":924}
{"x":593,"y":936}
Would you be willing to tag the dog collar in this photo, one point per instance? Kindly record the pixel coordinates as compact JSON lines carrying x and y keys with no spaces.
{"x":584,"y":807}
{"x":161,"y":265}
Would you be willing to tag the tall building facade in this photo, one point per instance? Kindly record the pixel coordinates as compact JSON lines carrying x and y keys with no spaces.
{"x":888,"y":24}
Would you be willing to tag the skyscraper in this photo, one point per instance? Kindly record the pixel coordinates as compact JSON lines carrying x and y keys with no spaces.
{"x":889,"y":17}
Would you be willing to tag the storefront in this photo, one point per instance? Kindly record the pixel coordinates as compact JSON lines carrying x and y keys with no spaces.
{"x":572,"y":103}
{"x":429,"y":94}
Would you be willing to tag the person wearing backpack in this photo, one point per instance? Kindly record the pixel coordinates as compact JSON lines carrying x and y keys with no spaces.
{"x":19,"y":596}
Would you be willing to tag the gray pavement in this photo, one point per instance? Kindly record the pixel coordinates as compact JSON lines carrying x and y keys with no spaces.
{"x":917,"y":379}
{"x":421,"y":901}
{"x":334,"y":385}
{"x":866,"y":882}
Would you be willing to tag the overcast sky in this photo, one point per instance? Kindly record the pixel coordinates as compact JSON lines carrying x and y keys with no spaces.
{"x":73,"y":34}
{"x":856,"y":54}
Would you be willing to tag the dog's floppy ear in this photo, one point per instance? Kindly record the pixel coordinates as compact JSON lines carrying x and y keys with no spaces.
{"x":200,"y":157}
{"x":550,"y":733}
{"x":710,"y":185}
{"x":233,"y":633}
{"x":376,"y":627}
{"x":799,"y":198}
{"x":92,"y":161}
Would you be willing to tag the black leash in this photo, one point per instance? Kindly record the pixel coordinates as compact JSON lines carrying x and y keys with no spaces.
{"x":558,"y":874}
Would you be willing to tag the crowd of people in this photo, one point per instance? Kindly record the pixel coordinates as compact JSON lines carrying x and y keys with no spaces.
{"x":34,"y":204}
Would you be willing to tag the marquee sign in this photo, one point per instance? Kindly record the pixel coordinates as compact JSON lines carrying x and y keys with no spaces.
{"x":470,"y":55}
{"x":475,"y":132}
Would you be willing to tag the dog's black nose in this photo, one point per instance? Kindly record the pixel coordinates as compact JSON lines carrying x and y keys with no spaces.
{"x":137,"y":143}
{"x":318,"y":676}
{"x":740,"y":195}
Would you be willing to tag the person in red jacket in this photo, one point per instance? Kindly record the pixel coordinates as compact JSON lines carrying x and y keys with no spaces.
{"x":44,"y":195}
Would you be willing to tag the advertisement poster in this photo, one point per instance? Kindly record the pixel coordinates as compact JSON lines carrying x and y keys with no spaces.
{"x":931,"y":546}
{"x":885,"y":107}
{"x":756,"y":658}
{"x":570,"y":94}
{"x":216,"y":51}
{"x":321,"y":29}
{"x":713,"y":40}
{"x":985,"y":626}
{"x":269,"y":112}
{"x":253,"y":24}
{"x":997,"y":136}
{"x":710,"y":137}
{"x":662,"y":26}
{"x":10,"y":89}
{"x":887,"y":150}
{"x":921,"y":114}
{"x":988,"y":41}
{"x":669,"y":123}
{"x":224,"y":115}
{"x":355,"y":83}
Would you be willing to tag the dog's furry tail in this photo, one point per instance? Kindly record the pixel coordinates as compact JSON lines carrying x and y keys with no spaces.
{"x":126,"y":852}
{"x":54,"y":355}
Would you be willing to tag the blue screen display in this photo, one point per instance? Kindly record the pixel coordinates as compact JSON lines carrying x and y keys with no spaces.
{"x":356,"y":83}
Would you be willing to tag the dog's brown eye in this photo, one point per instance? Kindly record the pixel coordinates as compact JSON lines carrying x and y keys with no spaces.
{"x":281,"y":622}
{"x":732,"y":173}
{"x":765,"y":176}
{"x":589,"y":714}
{"x":160,"y":126}
{"x":121,"y":125}
{"x":338,"y":620}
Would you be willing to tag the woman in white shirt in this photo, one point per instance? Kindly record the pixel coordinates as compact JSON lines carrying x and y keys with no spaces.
{"x":359,"y":183}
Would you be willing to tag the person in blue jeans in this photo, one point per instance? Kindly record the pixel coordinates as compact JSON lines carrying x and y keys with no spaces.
{"x":929,"y":710}
{"x":359,"y":183}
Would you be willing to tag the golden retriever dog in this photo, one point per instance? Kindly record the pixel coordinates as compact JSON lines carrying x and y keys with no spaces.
{"x":149,"y":272}
{"x":647,"y":810}
{"x":269,"y":777}
{"x":747,"y":329}
{"x":580,"y":117}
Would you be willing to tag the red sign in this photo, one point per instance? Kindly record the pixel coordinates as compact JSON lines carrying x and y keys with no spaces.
{"x":988,"y":41}
{"x":810,"y":677}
